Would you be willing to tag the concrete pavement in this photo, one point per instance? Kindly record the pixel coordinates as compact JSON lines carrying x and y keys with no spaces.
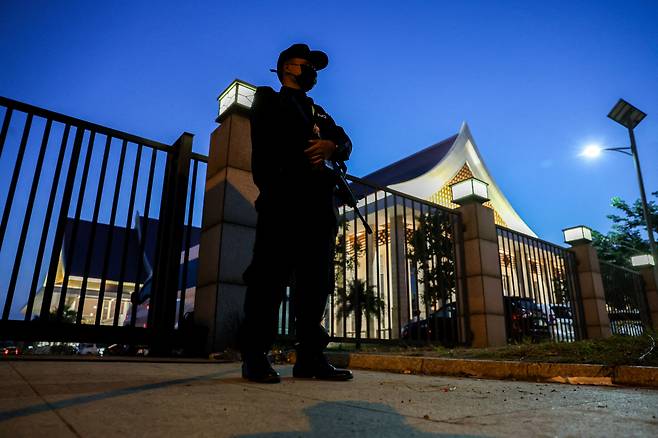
{"x":89,"y":399}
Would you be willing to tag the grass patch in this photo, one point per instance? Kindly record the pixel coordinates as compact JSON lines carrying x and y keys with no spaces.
{"x":616,"y":350}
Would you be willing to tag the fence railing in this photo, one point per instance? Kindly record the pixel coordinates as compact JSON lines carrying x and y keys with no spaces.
{"x":541,"y":295}
{"x":94,"y":222}
{"x":404,"y":281}
{"x":625,"y":299}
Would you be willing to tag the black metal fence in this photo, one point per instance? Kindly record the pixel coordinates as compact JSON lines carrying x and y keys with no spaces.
{"x":541,"y":295}
{"x":404,"y":281}
{"x":625,"y":299}
{"x":97,"y":239}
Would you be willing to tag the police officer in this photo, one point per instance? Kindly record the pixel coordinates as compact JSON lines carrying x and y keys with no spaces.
{"x":297,"y":218}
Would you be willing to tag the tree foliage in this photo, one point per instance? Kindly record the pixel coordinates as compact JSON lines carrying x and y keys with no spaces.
{"x":626,"y":238}
{"x":430,"y":250}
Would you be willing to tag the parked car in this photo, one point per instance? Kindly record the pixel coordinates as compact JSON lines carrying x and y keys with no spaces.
{"x":11,"y":351}
{"x":88,"y":349}
{"x":560,"y":321}
{"x":440,"y":326}
{"x":525,"y":319}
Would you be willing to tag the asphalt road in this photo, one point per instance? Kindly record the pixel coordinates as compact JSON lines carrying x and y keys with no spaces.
{"x":100,"y":399}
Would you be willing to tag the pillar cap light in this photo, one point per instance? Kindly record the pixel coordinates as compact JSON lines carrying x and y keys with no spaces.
{"x":641,"y":261}
{"x":469,"y":191}
{"x":577,"y":235}
{"x":238,"y":95}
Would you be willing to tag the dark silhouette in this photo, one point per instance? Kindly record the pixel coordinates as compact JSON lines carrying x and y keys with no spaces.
{"x":292,"y":140}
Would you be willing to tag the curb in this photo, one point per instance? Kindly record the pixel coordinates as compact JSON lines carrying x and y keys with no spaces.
{"x":582,"y":374}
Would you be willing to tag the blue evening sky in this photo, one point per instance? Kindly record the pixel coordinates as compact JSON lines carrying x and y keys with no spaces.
{"x":534,"y":80}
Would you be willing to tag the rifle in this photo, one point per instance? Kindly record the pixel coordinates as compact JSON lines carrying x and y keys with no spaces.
{"x":338,"y":169}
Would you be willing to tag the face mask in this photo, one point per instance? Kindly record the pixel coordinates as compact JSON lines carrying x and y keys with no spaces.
{"x":307,"y":78}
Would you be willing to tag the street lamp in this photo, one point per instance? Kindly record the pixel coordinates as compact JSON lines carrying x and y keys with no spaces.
{"x":628,"y":116}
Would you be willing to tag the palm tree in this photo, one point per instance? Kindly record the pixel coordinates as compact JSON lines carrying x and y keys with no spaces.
{"x":356,"y":296}
{"x":68,"y":315}
{"x":360,"y":299}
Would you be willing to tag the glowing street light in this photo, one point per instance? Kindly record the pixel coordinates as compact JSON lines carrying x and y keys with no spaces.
{"x":628,"y":116}
{"x":594,"y":150}
{"x":591,"y":151}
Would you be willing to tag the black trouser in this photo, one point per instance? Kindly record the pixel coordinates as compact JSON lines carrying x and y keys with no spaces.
{"x":295,"y":245}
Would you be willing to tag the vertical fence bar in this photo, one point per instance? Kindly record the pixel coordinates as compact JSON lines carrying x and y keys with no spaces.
{"x":172,"y":218}
{"x":576,"y":296}
{"x":181,"y":304}
{"x":388,"y":242}
{"x":126,"y":241}
{"x":46,"y":224}
{"x":26,"y":221}
{"x":367,"y":260}
{"x":61,"y":225}
{"x":14,"y":179}
{"x":377,"y":283}
{"x":461,"y":290}
{"x":111,"y":230}
{"x":345,"y":224}
{"x":555,"y":324}
{"x":94,"y":224}
{"x":397,"y":271}
{"x":5,"y":128}
{"x":407,"y":275}
{"x":70,"y":254}
{"x":413,"y":286}
{"x":144,"y":235}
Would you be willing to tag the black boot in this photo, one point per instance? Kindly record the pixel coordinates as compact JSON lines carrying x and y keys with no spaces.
{"x":315,"y":365}
{"x":257,"y":368}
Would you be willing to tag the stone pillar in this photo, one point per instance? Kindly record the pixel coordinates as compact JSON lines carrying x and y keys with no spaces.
{"x":227,"y":232}
{"x":650,"y":278}
{"x":591,"y":290}
{"x":483,"y":277}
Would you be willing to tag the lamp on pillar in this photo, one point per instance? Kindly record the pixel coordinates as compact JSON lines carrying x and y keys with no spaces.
{"x":484,"y":302}
{"x":470,"y":191}
{"x":643,"y":261}
{"x":577,"y":235}
{"x":237,"y":96}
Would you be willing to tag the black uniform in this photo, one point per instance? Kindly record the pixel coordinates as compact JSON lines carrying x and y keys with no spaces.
{"x":297,"y":219}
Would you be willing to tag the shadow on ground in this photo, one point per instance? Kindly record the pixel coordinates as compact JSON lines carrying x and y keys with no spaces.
{"x":85,"y":399}
{"x":354,"y":418}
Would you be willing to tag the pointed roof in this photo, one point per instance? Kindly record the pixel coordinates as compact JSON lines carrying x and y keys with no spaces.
{"x":412,"y":166}
{"x":425,"y":173}
{"x":77,"y":251}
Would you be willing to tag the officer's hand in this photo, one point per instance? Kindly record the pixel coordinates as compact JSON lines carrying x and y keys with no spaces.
{"x":319,"y":150}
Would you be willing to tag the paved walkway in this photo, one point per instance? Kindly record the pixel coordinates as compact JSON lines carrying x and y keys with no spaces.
{"x":101,"y":399}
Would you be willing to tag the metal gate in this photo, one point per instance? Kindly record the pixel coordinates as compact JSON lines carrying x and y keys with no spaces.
{"x":541,"y":294}
{"x":94,"y":225}
{"x":625,"y":300}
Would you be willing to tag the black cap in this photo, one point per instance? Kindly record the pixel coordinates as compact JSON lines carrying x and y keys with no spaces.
{"x":317,"y":58}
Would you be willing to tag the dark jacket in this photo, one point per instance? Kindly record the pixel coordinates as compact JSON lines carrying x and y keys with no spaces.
{"x":281,"y":125}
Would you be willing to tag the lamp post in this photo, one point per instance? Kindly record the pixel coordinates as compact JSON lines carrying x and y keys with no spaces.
{"x":628,"y":116}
